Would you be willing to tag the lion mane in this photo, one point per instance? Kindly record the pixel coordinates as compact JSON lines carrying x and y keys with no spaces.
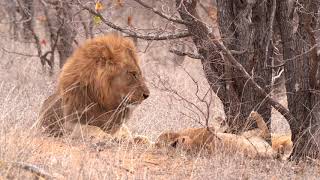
{"x":98,"y":86}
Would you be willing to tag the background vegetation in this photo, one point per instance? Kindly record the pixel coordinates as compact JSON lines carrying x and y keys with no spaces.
{"x":202,"y":59}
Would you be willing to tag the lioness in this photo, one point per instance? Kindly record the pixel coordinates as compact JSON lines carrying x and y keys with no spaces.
{"x":98,"y":88}
{"x":251,"y":143}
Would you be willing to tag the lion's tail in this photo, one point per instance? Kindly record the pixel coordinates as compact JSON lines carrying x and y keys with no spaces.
{"x":261,"y":124}
{"x":281,"y":144}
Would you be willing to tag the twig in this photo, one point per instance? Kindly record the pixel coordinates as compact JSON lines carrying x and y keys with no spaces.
{"x":153,"y":163}
{"x":165,"y":16}
{"x":29,"y":167}
{"x":296,"y":57}
{"x":33,"y":169}
{"x":49,"y":24}
{"x":313,"y":161}
{"x":18,"y":53}
{"x":180,"y":53}
{"x":124,"y":168}
{"x":44,"y":56}
{"x":85,"y":27}
{"x":238,"y":52}
{"x":133,"y":33}
{"x":270,"y":33}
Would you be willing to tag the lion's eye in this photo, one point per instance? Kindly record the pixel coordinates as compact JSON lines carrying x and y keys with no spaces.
{"x":134,"y":75}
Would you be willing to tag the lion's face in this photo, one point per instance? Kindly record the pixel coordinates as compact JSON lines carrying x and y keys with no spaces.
{"x":166,"y":139}
{"x":129,"y":86}
{"x":100,"y":82}
{"x":125,"y":84}
{"x":106,"y":70}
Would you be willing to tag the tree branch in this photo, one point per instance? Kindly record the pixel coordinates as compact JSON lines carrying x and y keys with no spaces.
{"x":18,"y":53}
{"x":180,"y":53}
{"x":29,"y":167}
{"x":165,"y":16}
{"x":133,"y":33}
{"x":197,"y":56}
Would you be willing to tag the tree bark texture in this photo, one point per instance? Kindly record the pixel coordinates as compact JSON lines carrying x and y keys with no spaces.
{"x":26,"y":9}
{"x":10,"y":8}
{"x":241,"y":33}
{"x":67,"y":32}
{"x":244,"y":27}
{"x":303,"y":97}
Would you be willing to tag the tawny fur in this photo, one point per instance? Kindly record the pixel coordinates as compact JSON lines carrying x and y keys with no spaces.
{"x":252,"y":143}
{"x":261,"y":131}
{"x":140,"y":139}
{"x":197,"y":136}
{"x":98,"y":86}
{"x":283,"y":145}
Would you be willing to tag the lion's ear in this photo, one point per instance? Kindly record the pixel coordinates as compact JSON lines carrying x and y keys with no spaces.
{"x":132,"y":54}
{"x":131,"y":51}
{"x":134,"y":40}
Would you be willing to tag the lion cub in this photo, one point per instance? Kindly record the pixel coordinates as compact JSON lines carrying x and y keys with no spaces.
{"x":251,"y":143}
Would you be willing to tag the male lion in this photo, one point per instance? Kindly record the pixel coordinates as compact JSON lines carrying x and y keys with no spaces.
{"x":98,"y":87}
{"x":251,"y":143}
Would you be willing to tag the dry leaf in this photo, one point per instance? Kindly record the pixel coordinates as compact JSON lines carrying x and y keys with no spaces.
{"x":99,"y":6}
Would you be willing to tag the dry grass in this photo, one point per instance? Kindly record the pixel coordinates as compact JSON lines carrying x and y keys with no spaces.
{"x":24,"y":85}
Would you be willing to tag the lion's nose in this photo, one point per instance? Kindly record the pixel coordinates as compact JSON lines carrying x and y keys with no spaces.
{"x":145,"y":92}
{"x":145,"y":96}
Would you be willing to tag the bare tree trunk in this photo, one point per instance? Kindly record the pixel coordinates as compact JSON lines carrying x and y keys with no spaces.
{"x":230,"y":99}
{"x":26,"y":10}
{"x":10,"y":9}
{"x":87,"y":26}
{"x":59,"y":25}
{"x":244,"y":27}
{"x":67,"y":32}
{"x":236,"y":94}
{"x":303,"y":100}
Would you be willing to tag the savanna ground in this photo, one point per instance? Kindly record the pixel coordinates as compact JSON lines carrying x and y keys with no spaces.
{"x":24,"y":84}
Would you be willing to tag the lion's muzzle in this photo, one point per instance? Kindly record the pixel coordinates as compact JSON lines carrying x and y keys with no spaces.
{"x":145,"y":91}
{"x":146,"y":94}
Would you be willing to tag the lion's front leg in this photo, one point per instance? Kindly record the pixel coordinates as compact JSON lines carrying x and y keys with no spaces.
{"x":78,"y":130}
{"x":124,"y":135}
